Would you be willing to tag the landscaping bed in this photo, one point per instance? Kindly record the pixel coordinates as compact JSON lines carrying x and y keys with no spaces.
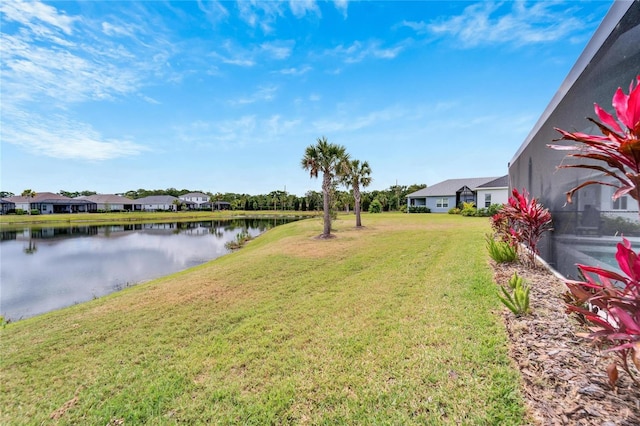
{"x":564,"y":378}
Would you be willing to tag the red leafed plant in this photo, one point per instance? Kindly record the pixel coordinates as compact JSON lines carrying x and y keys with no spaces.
{"x":610,"y":303}
{"x":618,"y":146}
{"x":527,"y":220}
{"x":607,"y":301}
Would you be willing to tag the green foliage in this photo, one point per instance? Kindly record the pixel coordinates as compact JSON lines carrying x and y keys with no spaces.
{"x":419,"y":209}
{"x":35,"y":211}
{"x":375,"y":206}
{"x":241,"y":239}
{"x":516,"y":297}
{"x":468,"y":209}
{"x":620,"y":226}
{"x":501,"y":251}
{"x":454,"y":210}
{"x":20,"y":212}
{"x":488,"y":211}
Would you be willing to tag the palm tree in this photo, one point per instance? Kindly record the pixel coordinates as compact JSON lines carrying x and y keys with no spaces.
{"x":356,"y":174}
{"x":326,"y":158}
{"x":29,"y":193}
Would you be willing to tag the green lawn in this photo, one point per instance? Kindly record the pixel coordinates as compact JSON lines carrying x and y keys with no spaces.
{"x":394,"y":324}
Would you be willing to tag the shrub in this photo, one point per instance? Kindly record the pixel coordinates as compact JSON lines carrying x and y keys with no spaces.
{"x":241,"y":239}
{"x":375,"y":206}
{"x":454,"y":210}
{"x":419,"y":209}
{"x":501,"y":251}
{"x":620,"y":226}
{"x":468,"y":209}
{"x":517,"y":300}
{"x":526,"y":220}
{"x":35,"y":211}
{"x":610,"y":303}
{"x":607,"y":301}
{"x":20,"y":212}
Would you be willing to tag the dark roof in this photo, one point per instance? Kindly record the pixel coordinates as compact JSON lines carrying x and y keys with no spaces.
{"x":449,"y":187}
{"x":48,"y":198}
{"x":106,"y":199}
{"x":501,"y":182}
{"x":156,"y":199}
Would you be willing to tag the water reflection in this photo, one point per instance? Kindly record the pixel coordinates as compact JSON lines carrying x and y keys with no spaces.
{"x":47,"y":268}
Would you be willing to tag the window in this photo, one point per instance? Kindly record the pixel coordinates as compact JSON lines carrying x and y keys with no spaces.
{"x":620,"y":203}
{"x":442,"y":202}
{"x":487,"y":200}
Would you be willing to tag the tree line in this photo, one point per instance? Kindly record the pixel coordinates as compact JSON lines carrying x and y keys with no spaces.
{"x":393,"y":198}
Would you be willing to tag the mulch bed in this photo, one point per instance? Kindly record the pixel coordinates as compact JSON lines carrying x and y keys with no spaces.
{"x":564,"y":378}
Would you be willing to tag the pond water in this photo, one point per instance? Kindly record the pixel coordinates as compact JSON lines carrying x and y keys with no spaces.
{"x":48,"y":268}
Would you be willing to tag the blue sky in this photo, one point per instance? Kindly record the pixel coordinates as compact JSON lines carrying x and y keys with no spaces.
{"x":225,"y":96}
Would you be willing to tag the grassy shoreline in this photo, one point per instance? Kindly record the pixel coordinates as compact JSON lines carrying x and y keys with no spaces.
{"x":101,"y":218}
{"x":396,"y":323}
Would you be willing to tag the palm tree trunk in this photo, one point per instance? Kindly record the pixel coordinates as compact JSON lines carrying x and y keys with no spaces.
{"x":326,"y":187}
{"x":356,"y":207}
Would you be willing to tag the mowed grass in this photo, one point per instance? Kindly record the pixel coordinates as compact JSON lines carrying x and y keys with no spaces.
{"x":393,"y":324}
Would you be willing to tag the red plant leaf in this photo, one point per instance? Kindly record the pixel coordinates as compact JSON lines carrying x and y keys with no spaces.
{"x":602,"y":272}
{"x":607,"y":118}
{"x":625,"y":320}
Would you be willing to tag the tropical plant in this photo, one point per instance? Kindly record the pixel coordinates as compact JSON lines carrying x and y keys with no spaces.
{"x":527,"y":221}
{"x":468,"y":209}
{"x":325,"y":158}
{"x":610,"y":303}
{"x":31,"y":194}
{"x":501,"y":251}
{"x":355,"y":175}
{"x":618,"y":146}
{"x":607,"y":301}
{"x":375,"y":206}
{"x":517,"y":298}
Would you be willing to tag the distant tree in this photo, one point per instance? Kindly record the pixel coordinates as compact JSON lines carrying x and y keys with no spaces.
{"x":5,"y":194}
{"x":325,"y":158}
{"x":356,"y":174}
{"x":375,"y":206}
{"x":30,"y":194}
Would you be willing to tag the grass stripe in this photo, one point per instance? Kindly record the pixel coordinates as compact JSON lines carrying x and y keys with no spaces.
{"x":393,"y":324}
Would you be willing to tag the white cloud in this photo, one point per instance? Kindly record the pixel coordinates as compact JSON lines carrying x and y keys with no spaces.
{"x":237,"y":133}
{"x":260,"y":13}
{"x":358,"y":51}
{"x":213,"y":10}
{"x":342,"y":6}
{"x":60,"y":137}
{"x":265,"y":93}
{"x":296,"y":71}
{"x":300,"y":8}
{"x":277,"y":50}
{"x":33,"y":14}
{"x":490,"y":23}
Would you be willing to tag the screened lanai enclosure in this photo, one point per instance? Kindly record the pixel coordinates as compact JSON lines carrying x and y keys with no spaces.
{"x":588,"y":229}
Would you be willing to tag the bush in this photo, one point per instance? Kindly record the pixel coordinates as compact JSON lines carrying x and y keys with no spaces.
{"x":375,"y":206}
{"x":518,"y":299}
{"x":419,"y":209}
{"x":609,"y":303}
{"x":454,"y":210}
{"x":20,"y":212}
{"x":501,"y":251}
{"x":35,"y":211}
{"x":468,"y":209}
{"x":620,"y":226}
{"x":526,"y":221}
